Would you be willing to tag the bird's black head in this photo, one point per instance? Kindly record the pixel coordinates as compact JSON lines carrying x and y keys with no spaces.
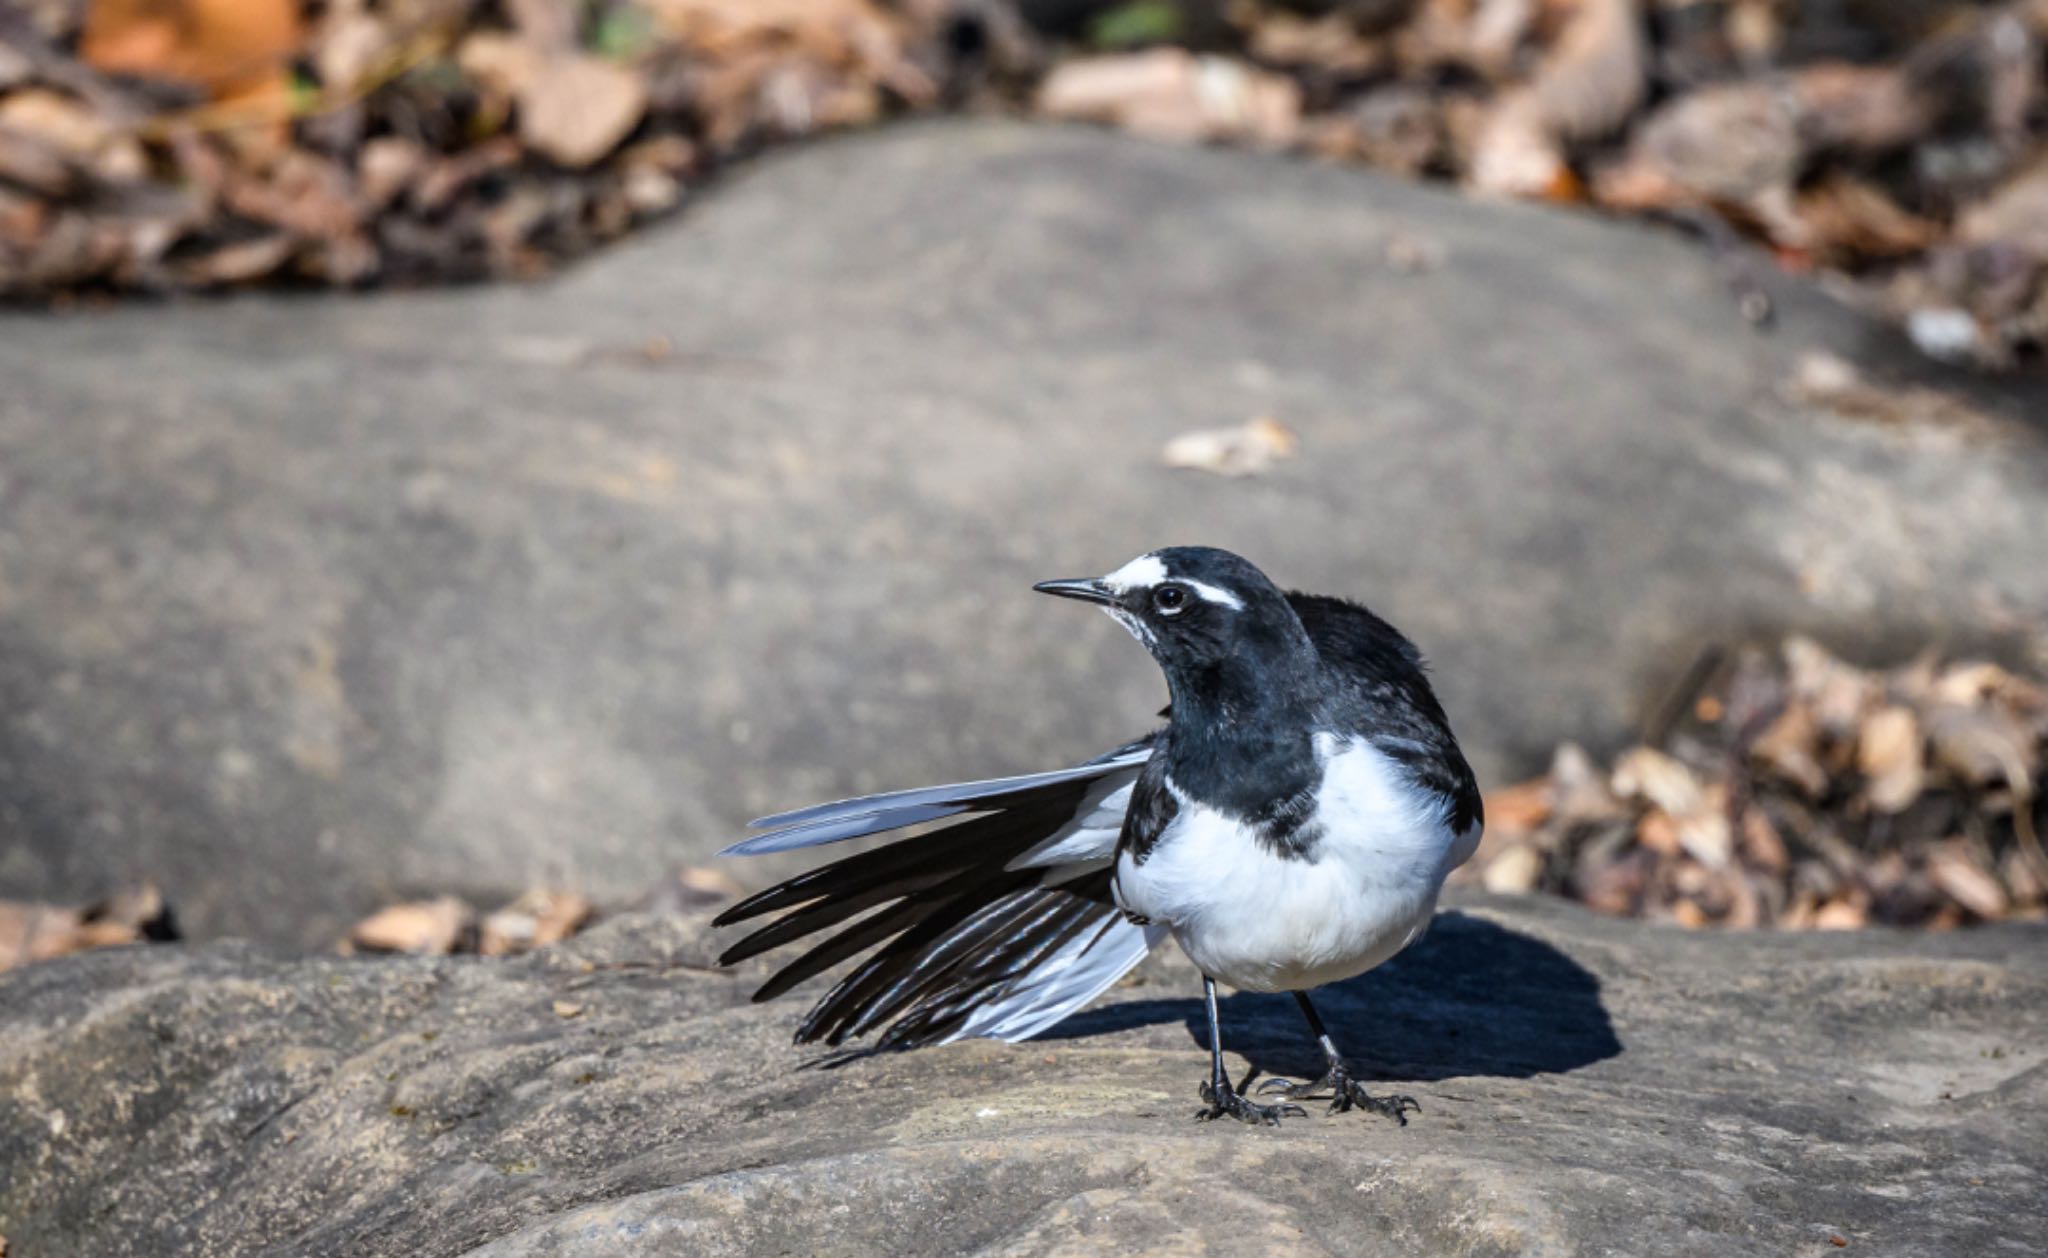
{"x":1209,"y":617}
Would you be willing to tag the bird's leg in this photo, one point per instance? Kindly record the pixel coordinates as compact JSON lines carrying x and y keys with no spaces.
{"x":1344,"y":1091}
{"x":1221,"y":1098}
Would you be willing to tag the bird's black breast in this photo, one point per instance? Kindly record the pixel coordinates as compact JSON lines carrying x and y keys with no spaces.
{"x":1264,"y":778}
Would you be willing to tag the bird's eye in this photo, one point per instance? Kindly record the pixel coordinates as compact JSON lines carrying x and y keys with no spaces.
{"x":1169,"y":599}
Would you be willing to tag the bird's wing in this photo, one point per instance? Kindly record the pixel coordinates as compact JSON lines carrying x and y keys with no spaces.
{"x":1152,"y":808}
{"x":999,"y":925}
{"x":1392,"y":684}
{"x":872,"y":814}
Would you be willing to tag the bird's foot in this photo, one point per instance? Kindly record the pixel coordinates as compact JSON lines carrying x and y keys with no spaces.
{"x":1230,"y":1103}
{"x":1345,"y":1093}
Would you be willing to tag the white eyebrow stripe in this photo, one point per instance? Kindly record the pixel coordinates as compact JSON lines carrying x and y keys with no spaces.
{"x":1214,"y":594}
{"x":1146,"y":570}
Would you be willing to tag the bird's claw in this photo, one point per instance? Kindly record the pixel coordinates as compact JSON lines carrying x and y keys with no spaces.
{"x":1344,"y":1093}
{"x":1395,"y":1106}
{"x":1230,"y":1103}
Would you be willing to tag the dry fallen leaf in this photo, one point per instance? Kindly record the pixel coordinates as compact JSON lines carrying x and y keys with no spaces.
{"x":1840,"y":915}
{"x":2027,"y":878}
{"x":1737,"y":144}
{"x":16,"y":66}
{"x":1842,"y":812}
{"x":710,"y":885}
{"x":790,"y":67}
{"x":1647,"y":773}
{"x":1952,"y":869}
{"x":38,"y":169}
{"x":2016,"y":214}
{"x":562,"y":915}
{"x":1579,"y":788}
{"x":1514,"y":872}
{"x":1870,"y":109}
{"x":1689,"y":915}
{"x":575,"y":109}
{"x":40,"y":932}
{"x":1762,"y":845}
{"x":387,"y":167}
{"x":1745,"y":904}
{"x":35,"y":932}
{"x":1520,"y":808}
{"x":1706,"y":834}
{"x":1398,"y":127}
{"x":430,"y":927}
{"x":1242,"y":451}
{"x":76,"y":130}
{"x":534,"y":920}
{"x":1172,"y":94}
{"x":1923,"y":156}
{"x":1889,"y":753}
{"x":233,"y":48}
{"x":1838,"y":692}
{"x":1330,"y":43}
{"x":1658,"y":831}
{"x":1981,"y":744}
{"x":347,"y":44}
{"x":499,"y":62}
{"x":1847,"y":217}
{"x":1588,"y":85}
{"x":567,"y":1009}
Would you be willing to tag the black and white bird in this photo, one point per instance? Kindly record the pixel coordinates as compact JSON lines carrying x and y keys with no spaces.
{"x":1290,"y":826}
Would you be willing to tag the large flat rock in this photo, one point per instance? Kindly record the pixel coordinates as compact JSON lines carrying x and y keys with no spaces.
{"x":1588,"y":1086}
{"x":307,"y":604}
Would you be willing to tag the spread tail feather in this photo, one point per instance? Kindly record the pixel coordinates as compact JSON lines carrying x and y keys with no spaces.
{"x":963,"y":944}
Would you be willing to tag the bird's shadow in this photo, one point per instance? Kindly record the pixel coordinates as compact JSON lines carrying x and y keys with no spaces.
{"x":1471,"y":998}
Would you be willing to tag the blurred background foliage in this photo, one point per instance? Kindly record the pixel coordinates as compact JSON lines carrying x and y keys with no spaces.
{"x":164,"y":145}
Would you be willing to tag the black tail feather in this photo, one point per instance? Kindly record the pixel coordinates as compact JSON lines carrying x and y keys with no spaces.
{"x":950,"y":922}
{"x":947,"y":918}
{"x":926,"y":968}
{"x":838,"y":1012}
{"x":942,"y":1011}
{"x":962,"y":845}
{"x":816,"y":915}
{"x":939,"y":1003}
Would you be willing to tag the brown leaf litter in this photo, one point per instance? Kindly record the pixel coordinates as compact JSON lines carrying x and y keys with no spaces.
{"x":440,"y":926}
{"x":177,"y":144}
{"x":1172,"y":94}
{"x":448,"y":924}
{"x":39,"y":932}
{"x":538,"y":918}
{"x":1800,"y":791}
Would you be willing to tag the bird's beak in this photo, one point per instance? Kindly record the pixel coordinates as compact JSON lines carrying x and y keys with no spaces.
{"x":1088,"y":590}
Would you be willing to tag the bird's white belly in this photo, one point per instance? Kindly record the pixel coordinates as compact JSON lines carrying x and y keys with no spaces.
{"x":1262,"y":921}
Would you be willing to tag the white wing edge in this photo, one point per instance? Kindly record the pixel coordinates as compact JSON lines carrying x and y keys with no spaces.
{"x":1057,"y":987}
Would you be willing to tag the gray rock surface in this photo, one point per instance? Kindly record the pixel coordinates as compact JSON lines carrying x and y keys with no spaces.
{"x":309,"y":604}
{"x":1589,"y":1086}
